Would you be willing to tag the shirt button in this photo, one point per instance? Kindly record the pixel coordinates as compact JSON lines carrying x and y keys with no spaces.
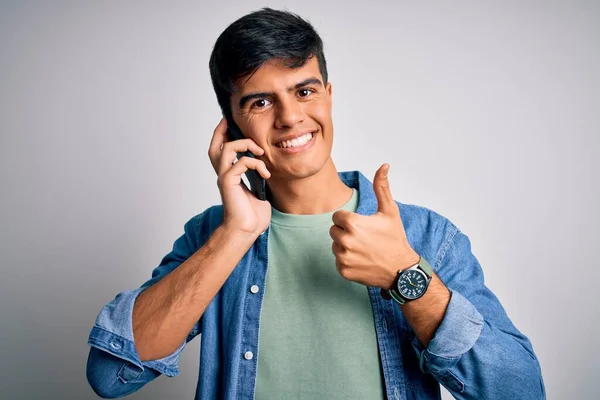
{"x":115,"y":345}
{"x":254,"y":289}
{"x":248,"y":355}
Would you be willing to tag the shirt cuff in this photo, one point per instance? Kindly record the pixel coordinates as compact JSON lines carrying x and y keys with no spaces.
{"x":113,"y":333}
{"x":459,"y":330}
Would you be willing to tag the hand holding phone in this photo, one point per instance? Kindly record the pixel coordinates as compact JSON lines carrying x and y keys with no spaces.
{"x":257,"y":183}
{"x":242,"y":209}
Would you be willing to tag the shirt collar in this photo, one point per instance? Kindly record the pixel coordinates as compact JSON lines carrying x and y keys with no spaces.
{"x":367,"y":202}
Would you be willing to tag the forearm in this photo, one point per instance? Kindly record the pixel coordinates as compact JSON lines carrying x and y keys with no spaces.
{"x":475,"y":351}
{"x":476,"y":359}
{"x":492,"y":359}
{"x":164,"y":314}
{"x":426,"y":313}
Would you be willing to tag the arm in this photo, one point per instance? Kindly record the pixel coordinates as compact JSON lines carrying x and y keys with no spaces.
{"x":141,"y":333}
{"x":476,"y":352}
{"x":165,"y":313}
{"x":125,"y":355}
{"x":426,"y":313}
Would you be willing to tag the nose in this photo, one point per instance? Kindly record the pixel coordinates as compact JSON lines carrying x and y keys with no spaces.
{"x":289,"y":112}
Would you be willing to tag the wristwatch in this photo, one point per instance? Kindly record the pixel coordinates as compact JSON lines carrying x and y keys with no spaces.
{"x":410,"y":284}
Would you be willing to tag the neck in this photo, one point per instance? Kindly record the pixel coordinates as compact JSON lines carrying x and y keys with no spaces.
{"x":319,"y":193}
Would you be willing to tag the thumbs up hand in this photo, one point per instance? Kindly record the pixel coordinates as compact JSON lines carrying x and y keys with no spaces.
{"x":372,"y":249}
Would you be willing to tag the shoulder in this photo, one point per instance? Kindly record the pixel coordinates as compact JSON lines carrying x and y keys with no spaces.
{"x":424,"y":218}
{"x":429,"y":232}
{"x":202,"y":225}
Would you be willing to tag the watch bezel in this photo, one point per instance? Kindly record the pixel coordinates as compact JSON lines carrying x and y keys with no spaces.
{"x":406,"y":271}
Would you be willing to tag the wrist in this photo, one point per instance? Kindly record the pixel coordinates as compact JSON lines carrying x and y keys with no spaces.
{"x":411,"y":281}
{"x":437,"y":294}
{"x":390,"y":279}
{"x":392,"y":273}
{"x":236,"y":235}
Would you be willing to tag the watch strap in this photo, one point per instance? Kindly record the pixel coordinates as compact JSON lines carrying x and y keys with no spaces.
{"x":425,"y":267}
{"x":396,"y":296}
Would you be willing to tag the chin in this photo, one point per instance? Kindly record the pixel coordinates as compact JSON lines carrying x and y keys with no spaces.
{"x":303,"y":171}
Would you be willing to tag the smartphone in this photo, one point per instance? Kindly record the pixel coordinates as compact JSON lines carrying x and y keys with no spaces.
{"x":256,"y":182}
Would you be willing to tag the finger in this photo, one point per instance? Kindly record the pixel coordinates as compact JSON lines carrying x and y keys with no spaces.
{"x":381,"y":187}
{"x":231,"y":150}
{"x":340,"y":253}
{"x":336,"y":249}
{"x":345,"y":220}
{"x":218,"y":138}
{"x":343,"y":269}
{"x":234,"y":174}
{"x":336,"y":233}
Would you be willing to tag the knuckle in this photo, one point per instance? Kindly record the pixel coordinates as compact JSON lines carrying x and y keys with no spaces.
{"x":345,"y":272}
{"x":345,"y":244}
{"x":227,"y":147}
{"x":342,"y":258}
{"x":336,"y":248}
{"x":352,"y":220}
{"x":213,"y":153}
{"x":245,"y":160}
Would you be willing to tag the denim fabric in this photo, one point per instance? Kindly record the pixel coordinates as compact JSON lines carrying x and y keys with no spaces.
{"x":476,"y":353}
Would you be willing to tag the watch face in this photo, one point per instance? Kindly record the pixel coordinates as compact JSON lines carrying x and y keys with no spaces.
{"x":412,"y":284}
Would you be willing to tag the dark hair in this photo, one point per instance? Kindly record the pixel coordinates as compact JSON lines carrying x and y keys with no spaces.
{"x":254,"y":39}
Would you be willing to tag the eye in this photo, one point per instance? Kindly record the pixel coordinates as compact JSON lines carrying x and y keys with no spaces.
{"x":305,"y":92}
{"x":261,"y":103}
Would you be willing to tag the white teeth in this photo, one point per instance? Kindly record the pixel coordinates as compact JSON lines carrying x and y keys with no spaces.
{"x":299,"y":141}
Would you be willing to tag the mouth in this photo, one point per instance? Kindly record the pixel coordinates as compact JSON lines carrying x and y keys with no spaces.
{"x":295,"y":142}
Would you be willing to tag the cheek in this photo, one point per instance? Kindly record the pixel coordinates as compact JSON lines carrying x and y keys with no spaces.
{"x":256,"y":128}
{"x":321,"y":113}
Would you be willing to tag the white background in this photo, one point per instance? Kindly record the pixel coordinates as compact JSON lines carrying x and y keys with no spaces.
{"x":487,"y":113}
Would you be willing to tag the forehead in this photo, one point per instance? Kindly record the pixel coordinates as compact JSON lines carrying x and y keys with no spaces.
{"x":274,"y":76}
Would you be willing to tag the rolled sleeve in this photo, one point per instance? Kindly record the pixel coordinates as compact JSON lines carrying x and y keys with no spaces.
{"x":113,"y":333}
{"x":459,"y":330}
{"x":114,"y":367}
{"x":477,"y":352}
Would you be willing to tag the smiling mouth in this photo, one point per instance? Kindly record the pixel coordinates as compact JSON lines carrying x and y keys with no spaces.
{"x":296,"y":142}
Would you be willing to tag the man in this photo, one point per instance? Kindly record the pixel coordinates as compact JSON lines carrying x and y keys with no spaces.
{"x":330,"y":289}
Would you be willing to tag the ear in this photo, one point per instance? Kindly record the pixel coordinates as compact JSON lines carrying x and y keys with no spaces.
{"x":328,"y":88}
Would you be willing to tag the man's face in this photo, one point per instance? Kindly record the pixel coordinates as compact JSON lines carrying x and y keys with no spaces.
{"x":287,"y":112}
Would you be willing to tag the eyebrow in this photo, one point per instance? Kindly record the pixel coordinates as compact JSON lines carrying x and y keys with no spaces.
{"x":251,"y":96}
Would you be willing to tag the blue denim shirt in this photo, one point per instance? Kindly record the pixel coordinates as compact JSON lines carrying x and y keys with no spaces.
{"x":476,"y":353}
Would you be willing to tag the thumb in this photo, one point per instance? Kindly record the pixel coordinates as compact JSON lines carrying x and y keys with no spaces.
{"x":381,"y":187}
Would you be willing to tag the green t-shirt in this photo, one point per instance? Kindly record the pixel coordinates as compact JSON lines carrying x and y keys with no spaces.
{"x":317,"y":333}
